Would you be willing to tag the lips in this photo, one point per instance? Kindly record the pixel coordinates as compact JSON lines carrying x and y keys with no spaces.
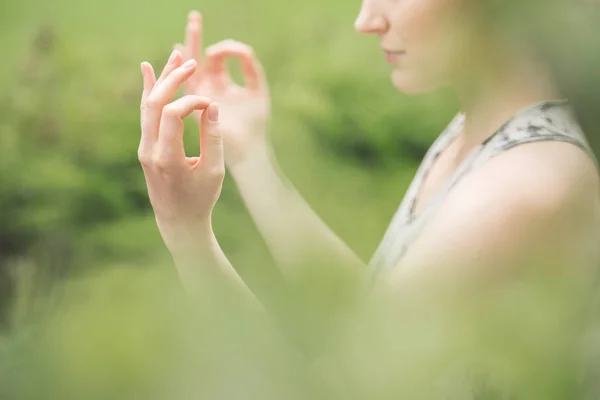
{"x":392,"y":56}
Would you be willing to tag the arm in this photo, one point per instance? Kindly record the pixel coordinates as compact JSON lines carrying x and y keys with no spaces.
{"x":293,"y":232}
{"x":203,"y":267}
{"x":528,"y":213}
{"x":183,"y":190}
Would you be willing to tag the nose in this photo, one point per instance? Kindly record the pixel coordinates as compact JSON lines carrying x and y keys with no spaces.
{"x":370,"y":22}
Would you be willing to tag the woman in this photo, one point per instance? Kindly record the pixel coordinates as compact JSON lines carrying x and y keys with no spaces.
{"x":511,"y":181}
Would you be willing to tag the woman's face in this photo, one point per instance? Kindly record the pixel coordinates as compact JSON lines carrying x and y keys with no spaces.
{"x":429,"y":43}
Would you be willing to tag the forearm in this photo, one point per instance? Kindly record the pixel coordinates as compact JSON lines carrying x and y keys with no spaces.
{"x":293,"y":232}
{"x":209,"y":278}
{"x":203,"y":268}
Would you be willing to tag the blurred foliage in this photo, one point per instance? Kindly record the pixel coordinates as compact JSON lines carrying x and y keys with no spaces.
{"x":73,"y":194}
{"x":93,"y":307}
{"x":132,"y":334}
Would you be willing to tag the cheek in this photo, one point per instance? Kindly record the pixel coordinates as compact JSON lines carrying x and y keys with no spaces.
{"x":418,"y":22}
{"x":429,"y":31}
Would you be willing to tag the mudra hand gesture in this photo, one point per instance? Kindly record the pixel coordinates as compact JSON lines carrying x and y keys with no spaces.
{"x":244,"y":110}
{"x":182,"y":190}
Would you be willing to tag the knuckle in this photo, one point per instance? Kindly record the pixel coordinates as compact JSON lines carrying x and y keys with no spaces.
{"x":241,"y":47}
{"x":210,"y":50}
{"x":170,"y":111}
{"x":143,"y":158}
{"x":247,"y":48}
{"x":215,"y":138}
{"x":217,"y":172}
{"x":161,"y":162}
{"x":151,"y":103}
{"x":198,"y":100}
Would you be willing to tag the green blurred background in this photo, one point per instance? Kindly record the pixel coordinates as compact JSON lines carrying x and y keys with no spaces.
{"x":73,"y":196}
{"x":80,"y":254}
{"x":91,"y":304}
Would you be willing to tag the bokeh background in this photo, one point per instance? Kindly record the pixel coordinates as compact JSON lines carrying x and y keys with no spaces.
{"x":73,"y":194}
{"x":91,"y":306}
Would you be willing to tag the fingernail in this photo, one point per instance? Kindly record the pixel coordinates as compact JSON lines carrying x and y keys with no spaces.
{"x":213,"y":112}
{"x":172,"y":57}
{"x":189,"y":64}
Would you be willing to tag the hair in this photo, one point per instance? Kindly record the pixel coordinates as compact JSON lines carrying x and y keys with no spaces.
{"x":564,"y":34}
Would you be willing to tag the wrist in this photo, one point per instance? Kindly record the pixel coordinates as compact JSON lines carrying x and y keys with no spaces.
{"x":257,"y":157}
{"x":192,"y":238}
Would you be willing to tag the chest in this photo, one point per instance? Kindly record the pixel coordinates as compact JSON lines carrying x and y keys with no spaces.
{"x":436,"y":173}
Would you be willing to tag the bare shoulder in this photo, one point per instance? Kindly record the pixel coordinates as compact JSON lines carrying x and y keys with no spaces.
{"x":537,"y":199}
{"x":548,"y":178}
{"x":537,"y":202}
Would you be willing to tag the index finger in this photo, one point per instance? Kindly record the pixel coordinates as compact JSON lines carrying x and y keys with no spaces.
{"x":161,"y":94}
{"x":252,"y":70}
{"x":169,"y":149}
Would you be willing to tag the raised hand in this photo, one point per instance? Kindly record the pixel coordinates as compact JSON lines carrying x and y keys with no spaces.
{"x":182,"y":190}
{"x":244,"y":110}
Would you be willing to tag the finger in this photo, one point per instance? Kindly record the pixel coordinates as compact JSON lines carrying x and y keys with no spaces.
{"x":252,"y":70}
{"x":215,"y":63}
{"x":193,"y":37}
{"x":149,"y":79}
{"x":175,"y":60}
{"x":169,"y":149}
{"x":192,"y":83}
{"x":164,"y":91}
{"x":180,"y":48}
{"x":148,"y":124}
{"x":160,"y":95}
{"x":211,"y":142}
{"x":193,"y":46}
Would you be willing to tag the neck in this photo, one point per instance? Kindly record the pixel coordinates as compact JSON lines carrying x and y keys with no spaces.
{"x":492,"y":95}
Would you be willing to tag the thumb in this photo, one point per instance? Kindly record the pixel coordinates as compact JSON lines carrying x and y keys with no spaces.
{"x":211,"y":142}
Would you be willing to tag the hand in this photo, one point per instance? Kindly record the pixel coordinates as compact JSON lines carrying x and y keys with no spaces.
{"x":182,"y":190}
{"x":245,"y":111}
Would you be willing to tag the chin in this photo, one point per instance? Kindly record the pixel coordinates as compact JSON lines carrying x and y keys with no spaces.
{"x":408,"y":83}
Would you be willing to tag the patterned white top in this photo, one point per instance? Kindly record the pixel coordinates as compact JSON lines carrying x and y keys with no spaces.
{"x":546,"y":121}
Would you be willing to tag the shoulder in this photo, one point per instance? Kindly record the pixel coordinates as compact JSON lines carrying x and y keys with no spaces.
{"x":536,"y":200}
{"x":542,"y":166}
{"x":538,"y":178}
{"x":547,"y":187}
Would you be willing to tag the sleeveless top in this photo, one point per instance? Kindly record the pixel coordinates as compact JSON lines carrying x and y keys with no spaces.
{"x":545,"y":121}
